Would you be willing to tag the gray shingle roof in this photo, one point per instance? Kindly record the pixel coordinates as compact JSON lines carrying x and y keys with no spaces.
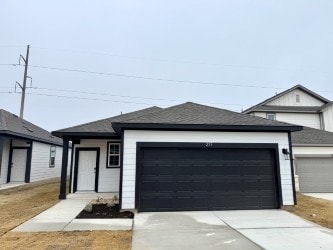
{"x":11,"y":124}
{"x":197,"y":114}
{"x":288,"y":108}
{"x":311,"y":136}
{"x":104,"y":126}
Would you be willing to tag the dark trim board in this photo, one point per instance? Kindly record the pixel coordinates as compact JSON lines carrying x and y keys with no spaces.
{"x":76,"y":166}
{"x":272,"y":146}
{"x":1,"y":151}
{"x":292,"y":168}
{"x":204,"y":127}
{"x":121,"y":168}
{"x":26,"y":137}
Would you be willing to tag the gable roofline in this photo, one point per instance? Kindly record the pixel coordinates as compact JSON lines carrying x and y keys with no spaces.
{"x":298,"y":86}
{"x":89,"y":129}
{"x":13,"y":126}
{"x":214,"y":119}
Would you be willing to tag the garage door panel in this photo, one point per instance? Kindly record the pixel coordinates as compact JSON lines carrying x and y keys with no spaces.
{"x":206,"y":179}
{"x":315,"y":174}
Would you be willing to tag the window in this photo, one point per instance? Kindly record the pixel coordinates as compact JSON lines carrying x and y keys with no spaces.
{"x":297,"y":98}
{"x":270,"y":116}
{"x":53,"y":150}
{"x":113,"y":160}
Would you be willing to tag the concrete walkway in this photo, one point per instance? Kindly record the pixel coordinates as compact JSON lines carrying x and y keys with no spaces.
{"x":61,"y":217}
{"x":268,"y":229}
{"x":11,"y":185}
{"x":325,"y":196}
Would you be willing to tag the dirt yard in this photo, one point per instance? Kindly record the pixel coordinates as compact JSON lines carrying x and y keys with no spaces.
{"x":316,"y":210}
{"x":18,"y":205}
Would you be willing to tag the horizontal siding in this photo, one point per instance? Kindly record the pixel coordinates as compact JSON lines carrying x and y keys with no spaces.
{"x":289,"y":99}
{"x":40,"y":162}
{"x":108,"y":180}
{"x":311,"y":151}
{"x":308,"y":120}
{"x":131,"y":137}
{"x":5,"y":160}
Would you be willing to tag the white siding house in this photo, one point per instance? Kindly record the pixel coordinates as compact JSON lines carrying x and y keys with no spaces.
{"x":312,"y":147}
{"x":25,"y":151}
{"x":186,"y":157}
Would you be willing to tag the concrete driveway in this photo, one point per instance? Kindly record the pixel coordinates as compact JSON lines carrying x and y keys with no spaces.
{"x":268,"y":229}
{"x":325,"y":196}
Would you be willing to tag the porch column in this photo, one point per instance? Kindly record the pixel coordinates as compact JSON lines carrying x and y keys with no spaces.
{"x":62,"y":195}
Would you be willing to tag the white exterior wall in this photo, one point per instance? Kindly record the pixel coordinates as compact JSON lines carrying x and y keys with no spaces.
{"x":308,"y":120}
{"x":328,"y":118}
{"x":131,"y":137}
{"x":260,"y":114}
{"x":108,"y":180}
{"x":289,"y":99}
{"x":40,"y":162}
{"x":5,"y":160}
{"x":312,"y":151}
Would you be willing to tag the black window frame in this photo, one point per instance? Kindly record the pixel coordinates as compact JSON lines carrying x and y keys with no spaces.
{"x":55,"y":153}
{"x":108,"y":155}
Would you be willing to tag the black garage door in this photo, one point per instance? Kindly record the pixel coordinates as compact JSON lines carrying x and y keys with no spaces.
{"x":201,"y":178}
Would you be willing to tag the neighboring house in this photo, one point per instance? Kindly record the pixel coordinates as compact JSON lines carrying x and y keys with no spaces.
{"x":297,"y":105}
{"x":186,"y":157}
{"x":28,"y":153}
{"x":312,"y":147}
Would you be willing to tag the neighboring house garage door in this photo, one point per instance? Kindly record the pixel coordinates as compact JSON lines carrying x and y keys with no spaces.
{"x":315,"y":174}
{"x":206,"y":178}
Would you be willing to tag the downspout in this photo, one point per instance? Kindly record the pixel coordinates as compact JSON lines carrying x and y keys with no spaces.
{"x":291,"y":156}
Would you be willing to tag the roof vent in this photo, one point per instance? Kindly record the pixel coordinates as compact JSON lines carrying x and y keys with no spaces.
{"x":29,"y":129}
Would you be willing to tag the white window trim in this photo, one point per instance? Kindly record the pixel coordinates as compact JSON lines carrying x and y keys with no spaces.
{"x":109,"y":154}
{"x":273,"y":114}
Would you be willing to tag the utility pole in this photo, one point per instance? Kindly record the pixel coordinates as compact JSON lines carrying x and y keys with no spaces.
{"x":24,"y":86}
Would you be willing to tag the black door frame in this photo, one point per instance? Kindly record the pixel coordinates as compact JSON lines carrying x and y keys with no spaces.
{"x":76,"y":166}
{"x":27,"y":165}
{"x":272,"y":146}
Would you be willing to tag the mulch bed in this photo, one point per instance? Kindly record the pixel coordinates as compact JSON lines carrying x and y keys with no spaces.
{"x":102,"y":211}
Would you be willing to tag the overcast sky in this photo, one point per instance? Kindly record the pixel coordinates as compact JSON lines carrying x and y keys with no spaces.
{"x":246,"y":50}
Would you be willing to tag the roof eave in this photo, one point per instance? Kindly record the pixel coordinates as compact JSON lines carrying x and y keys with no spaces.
{"x":311,"y":145}
{"x":23,"y":136}
{"x":204,"y":127}
{"x":88,"y":135}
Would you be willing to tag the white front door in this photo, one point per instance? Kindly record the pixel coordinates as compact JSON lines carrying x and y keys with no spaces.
{"x":19,"y":164}
{"x":86,"y":171}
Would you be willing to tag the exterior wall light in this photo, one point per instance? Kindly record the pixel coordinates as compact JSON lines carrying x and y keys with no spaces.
{"x":286,"y":153}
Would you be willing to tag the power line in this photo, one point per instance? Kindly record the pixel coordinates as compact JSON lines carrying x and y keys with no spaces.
{"x":9,"y":64}
{"x":178,"y":61}
{"x":153,"y":78}
{"x":127,"y":96}
{"x":158,"y":79}
{"x":91,"y":99}
{"x":11,"y":46}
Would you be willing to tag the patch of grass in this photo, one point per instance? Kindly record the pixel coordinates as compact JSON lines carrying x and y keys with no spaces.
{"x":17,"y":205}
{"x":319,"y":211}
